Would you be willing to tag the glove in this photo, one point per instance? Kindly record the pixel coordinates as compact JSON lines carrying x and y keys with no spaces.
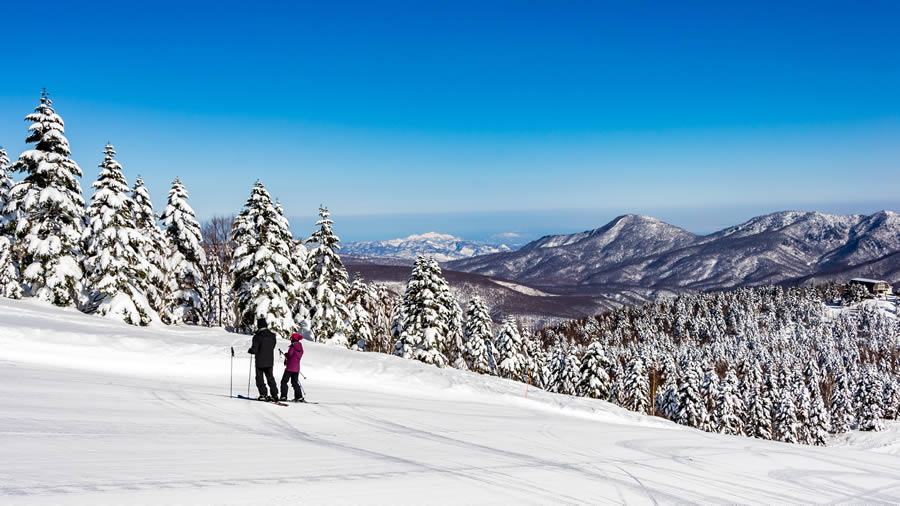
{"x":250,"y":351}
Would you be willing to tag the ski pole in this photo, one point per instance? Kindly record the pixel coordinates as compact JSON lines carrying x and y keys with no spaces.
{"x":231,"y":377}
{"x":248,"y":376}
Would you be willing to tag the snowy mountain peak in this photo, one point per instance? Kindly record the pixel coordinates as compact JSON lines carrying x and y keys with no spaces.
{"x":443,"y":247}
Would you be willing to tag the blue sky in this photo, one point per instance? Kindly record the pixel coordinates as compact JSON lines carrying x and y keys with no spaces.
{"x":476,"y":118}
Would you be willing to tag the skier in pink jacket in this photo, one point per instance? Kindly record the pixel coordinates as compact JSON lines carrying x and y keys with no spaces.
{"x":292,"y":368}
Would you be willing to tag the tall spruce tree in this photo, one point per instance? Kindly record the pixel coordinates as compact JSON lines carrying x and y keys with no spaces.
{"x":479,"y":347}
{"x":691,"y":406}
{"x":869,"y":400}
{"x":421,"y":328}
{"x":6,"y":184}
{"x":328,"y":284}
{"x":842,"y":409}
{"x":594,"y":379}
{"x":115,"y":266}
{"x":155,"y":246}
{"x":786,"y":425}
{"x":359,"y":323}
{"x":46,"y":210}
{"x":450,"y":314}
{"x":10,"y":286}
{"x":637,"y":386}
{"x":512,"y":362}
{"x":729,"y":406}
{"x":186,"y":258}
{"x":263,"y":270}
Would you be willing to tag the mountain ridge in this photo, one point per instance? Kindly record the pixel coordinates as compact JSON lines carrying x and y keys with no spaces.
{"x":645,"y":252}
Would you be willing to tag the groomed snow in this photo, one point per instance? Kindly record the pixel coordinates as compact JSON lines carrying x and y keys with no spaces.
{"x":93,"y":411}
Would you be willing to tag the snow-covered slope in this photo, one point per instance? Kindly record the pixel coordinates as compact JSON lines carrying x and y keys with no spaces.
{"x":96,"y":412}
{"x":443,"y":247}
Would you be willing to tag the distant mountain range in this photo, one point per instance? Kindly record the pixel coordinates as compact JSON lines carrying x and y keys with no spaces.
{"x":633,"y":259}
{"x":443,"y":247}
{"x":640,"y":251}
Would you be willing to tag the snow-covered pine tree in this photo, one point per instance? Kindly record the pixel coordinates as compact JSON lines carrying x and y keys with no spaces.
{"x":536,"y":361}
{"x":819,"y":421}
{"x":594,"y":379}
{"x":637,"y":386}
{"x":263,"y":270}
{"x":803,"y":403}
{"x":10,"y":287}
{"x":451,"y":314}
{"x":478,"y":337}
{"x":381,"y":319}
{"x":303,"y":300}
{"x":328,"y":284}
{"x":729,"y":406}
{"x":691,"y":407}
{"x":616,"y":392}
{"x":891,"y":399}
{"x":155,"y":246}
{"x":842,"y":409}
{"x":419,"y":327}
{"x":360,"y":321}
{"x":667,"y":398}
{"x":869,"y":400}
{"x":760,"y":410}
{"x":186,"y":258}
{"x":709,"y":389}
{"x":786,"y":417}
{"x":511,"y":359}
{"x":46,"y":210}
{"x":6,"y":184}
{"x":114,"y":265}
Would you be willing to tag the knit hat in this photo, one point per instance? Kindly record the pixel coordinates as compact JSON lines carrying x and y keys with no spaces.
{"x":296,"y":337}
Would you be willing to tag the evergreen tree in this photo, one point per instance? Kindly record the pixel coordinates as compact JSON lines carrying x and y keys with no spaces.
{"x":479,"y":352}
{"x":637,"y":386}
{"x":10,"y":287}
{"x":304,"y":302}
{"x":729,"y":406}
{"x":709,"y":389}
{"x":868,"y":400}
{"x":594,"y":379}
{"x":451,"y":314}
{"x":842,"y":410}
{"x":420,"y":328}
{"x":328,"y":284}
{"x":819,"y":421}
{"x":114,"y":265}
{"x":891,"y":399}
{"x":691,"y":408}
{"x":186,"y":258}
{"x":667,"y":398}
{"x":511,"y":358}
{"x":155,"y":246}
{"x":46,"y":210}
{"x":264,"y":274}
{"x":786,"y":418}
{"x":6,"y":184}
{"x":360,"y":321}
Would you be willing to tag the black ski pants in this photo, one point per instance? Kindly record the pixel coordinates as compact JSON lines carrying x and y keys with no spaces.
{"x":295,"y":384}
{"x":261,"y":383}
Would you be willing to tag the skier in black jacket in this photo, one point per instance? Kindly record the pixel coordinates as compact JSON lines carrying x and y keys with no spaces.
{"x":264,"y":348}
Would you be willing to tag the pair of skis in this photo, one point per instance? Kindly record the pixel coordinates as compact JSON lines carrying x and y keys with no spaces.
{"x":277,"y":403}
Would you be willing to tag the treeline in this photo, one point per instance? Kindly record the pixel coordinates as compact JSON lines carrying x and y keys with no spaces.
{"x":771,"y":362}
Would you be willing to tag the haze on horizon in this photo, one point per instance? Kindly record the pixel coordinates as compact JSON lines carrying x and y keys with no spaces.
{"x":475,"y":118}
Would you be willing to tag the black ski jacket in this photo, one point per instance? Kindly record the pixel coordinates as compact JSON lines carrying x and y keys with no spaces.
{"x":264,"y":348}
